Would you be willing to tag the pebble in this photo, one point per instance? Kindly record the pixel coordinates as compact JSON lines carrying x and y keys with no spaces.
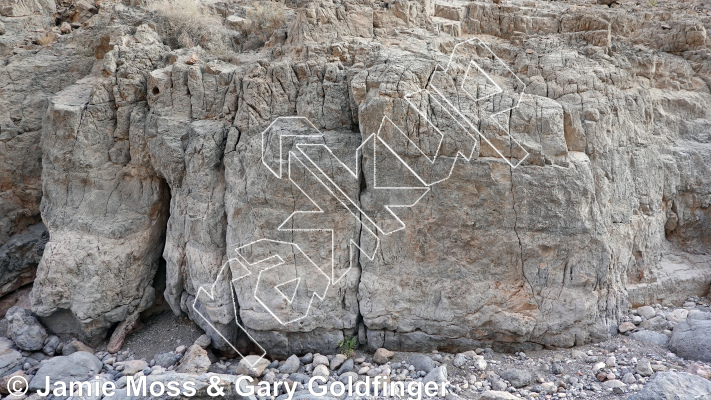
{"x":203,"y":341}
{"x":321,"y":370}
{"x":517,"y":377}
{"x":422,"y":362}
{"x":459,"y":360}
{"x":320,"y":360}
{"x":499,"y":385}
{"x":700,"y":370}
{"x":269,"y":377}
{"x":307,"y":359}
{"x":557,"y":369}
{"x":344,"y":378}
{"x":438,"y":375}
{"x":644,"y":368}
{"x":337,"y":361}
{"x":626,"y":327}
{"x":382,"y":356}
{"x":479,"y":363}
{"x":121,"y":382}
{"x":291,"y":365}
{"x":598,"y":367}
{"x":646,"y":312}
{"x":629,"y":378}
{"x":549,"y":387}
{"x":132,"y":367}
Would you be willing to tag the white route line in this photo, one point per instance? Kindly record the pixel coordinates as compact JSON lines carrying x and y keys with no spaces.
{"x":281,"y":262}
{"x":492,"y":116}
{"x":355,"y":175}
{"x":281,"y":138}
{"x":375,"y":138}
{"x":431,"y":160}
{"x":442,"y":135}
{"x":287,"y":298}
{"x":211,"y":295}
{"x":293,"y":156}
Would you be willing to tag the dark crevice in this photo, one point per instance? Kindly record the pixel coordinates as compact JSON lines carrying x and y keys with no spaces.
{"x":362,"y":187}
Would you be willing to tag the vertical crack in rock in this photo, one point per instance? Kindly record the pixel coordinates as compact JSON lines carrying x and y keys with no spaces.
{"x":515,"y":226}
{"x":599,"y":190}
{"x":361,"y":188}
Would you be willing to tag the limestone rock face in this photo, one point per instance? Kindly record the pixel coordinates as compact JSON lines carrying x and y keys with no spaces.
{"x":578,"y":190}
{"x":104,"y":248}
{"x":29,"y":77}
{"x":28,"y":80}
{"x":19,"y":258}
{"x":27,"y":8}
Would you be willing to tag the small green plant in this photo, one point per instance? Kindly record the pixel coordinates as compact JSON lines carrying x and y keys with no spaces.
{"x":347,"y":346}
{"x":652,"y":3}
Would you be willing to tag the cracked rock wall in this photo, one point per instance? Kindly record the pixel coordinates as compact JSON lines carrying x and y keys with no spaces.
{"x":29,"y":77}
{"x":156,"y":154}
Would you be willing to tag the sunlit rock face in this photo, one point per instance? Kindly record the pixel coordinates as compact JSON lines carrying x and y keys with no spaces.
{"x":580,"y":188}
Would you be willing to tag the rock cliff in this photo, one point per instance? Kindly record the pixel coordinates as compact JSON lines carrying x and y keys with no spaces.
{"x":144,"y":154}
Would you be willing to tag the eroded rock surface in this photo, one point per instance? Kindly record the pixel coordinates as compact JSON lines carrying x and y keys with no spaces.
{"x":103,"y":254}
{"x":19,"y":258}
{"x":158,"y":153}
{"x":29,"y":77}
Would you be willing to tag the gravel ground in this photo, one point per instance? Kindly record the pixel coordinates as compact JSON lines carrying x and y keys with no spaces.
{"x":613,"y":369}
{"x":160,"y":334}
{"x":572,"y":370}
